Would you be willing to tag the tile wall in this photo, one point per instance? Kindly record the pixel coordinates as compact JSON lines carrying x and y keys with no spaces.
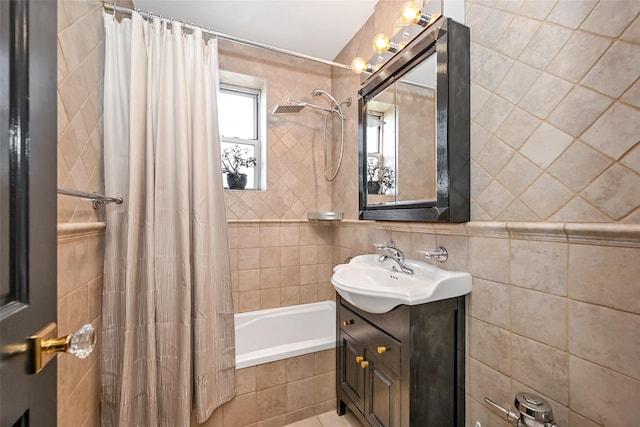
{"x":278,"y":263}
{"x":80,"y":230}
{"x":279,"y":393}
{"x":79,"y":303}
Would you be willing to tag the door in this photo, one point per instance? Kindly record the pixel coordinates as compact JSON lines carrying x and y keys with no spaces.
{"x":352,"y":381}
{"x":382,"y":406}
{"x":27,"y":205}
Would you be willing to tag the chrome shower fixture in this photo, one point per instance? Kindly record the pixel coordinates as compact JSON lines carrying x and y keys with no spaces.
{"x":288,"y":109}
{"x":294,"y":106}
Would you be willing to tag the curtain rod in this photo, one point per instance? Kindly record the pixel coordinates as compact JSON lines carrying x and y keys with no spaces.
{"x":112,"y":7}
{"x":97,"y":199}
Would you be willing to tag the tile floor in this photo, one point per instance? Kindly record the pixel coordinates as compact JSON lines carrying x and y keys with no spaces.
{"x":329,"y":419}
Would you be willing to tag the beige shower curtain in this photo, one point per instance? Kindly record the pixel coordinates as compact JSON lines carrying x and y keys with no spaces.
{"x":167,"y":336}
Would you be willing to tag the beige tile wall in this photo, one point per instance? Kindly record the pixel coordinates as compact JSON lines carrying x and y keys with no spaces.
{"x":80,"y":234}
{"x":79,"y":302}
{"x":554,"y":310}
{"x":555,"y":115}
{"x":280,"y":263}
{"x":279,"y":393}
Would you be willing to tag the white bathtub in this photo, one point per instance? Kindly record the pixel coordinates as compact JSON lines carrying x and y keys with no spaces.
{"x":278,"y":333}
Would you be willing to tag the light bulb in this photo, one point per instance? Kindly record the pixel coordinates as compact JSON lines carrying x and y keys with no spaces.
{"x":381,"y":43}
{"x":359,"y":65}
{"x":411,"y":13}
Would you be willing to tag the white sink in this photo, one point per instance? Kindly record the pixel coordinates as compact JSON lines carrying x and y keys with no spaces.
{"x":377,"y":288}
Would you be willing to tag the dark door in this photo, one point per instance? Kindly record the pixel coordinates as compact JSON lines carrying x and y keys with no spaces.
{"x":383,"y":395}
{"x":352,"y":381}
{"x":27,"y":205}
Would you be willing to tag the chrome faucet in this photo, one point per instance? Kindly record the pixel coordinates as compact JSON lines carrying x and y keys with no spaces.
{"x":397,"y":257}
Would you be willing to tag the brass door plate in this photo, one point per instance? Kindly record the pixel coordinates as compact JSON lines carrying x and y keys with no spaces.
{"x":38,"y":359}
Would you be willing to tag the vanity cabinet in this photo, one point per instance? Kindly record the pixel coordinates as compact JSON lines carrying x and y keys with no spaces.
{"x":404,"y":368}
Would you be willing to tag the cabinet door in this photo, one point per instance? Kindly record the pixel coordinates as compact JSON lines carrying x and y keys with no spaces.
{"x":383,"y":395}
{"x":352,"y":381}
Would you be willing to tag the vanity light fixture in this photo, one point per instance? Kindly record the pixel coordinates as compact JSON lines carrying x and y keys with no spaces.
{"x":411,"y":14}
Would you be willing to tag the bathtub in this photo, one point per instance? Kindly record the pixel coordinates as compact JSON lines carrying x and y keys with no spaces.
{"x":278,"y":333}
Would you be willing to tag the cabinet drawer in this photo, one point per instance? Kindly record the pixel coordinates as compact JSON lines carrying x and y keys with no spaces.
{"x":383,"y":348}
{"x":353,"y":324}
{"x":378,"y":344}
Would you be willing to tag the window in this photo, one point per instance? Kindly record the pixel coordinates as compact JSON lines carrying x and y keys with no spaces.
{"x":239,"y":121}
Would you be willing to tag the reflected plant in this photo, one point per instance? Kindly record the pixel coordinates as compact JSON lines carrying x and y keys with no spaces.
{"x":386,"y":177}
{"x":372,"y":168}
{"x":383,"y":175}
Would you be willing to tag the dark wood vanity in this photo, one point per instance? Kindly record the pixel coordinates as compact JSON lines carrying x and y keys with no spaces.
{"x":404,"y":368}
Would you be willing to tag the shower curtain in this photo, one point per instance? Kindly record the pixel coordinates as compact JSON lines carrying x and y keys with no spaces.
{"x":168,"y":334}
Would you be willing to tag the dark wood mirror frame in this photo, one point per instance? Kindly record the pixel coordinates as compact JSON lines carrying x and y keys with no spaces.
{"x":449,"y":41}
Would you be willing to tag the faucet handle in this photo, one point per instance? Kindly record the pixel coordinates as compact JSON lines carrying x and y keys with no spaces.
{"x":389,"y":244}
{"x":509,"y":416}
{"x":440,"y":254}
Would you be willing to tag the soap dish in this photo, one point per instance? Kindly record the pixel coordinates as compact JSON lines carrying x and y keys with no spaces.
{"x":324,"y":216}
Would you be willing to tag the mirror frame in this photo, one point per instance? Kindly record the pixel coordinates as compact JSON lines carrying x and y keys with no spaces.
{"x":449,"y":40}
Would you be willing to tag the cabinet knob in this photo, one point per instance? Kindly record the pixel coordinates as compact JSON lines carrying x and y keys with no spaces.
{"x":384,"y":349}
{"x":364,"y":364}
{"x":359,"y":359}
{"x":348,"y":322}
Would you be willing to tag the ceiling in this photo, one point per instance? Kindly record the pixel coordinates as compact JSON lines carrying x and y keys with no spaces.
{"x":319,"y":28}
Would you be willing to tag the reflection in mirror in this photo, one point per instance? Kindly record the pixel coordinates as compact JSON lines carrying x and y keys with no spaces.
{"x":381,"y":147}
{"x":414,"y":130}
{"x":416,"y":106}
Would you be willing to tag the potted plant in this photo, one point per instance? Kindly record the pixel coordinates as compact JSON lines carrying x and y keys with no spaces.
{"x":378,"y":177}
{"x":233,"y":158}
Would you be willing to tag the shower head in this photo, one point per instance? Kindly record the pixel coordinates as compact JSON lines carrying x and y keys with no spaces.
{"x":287,"y":109}
{"x":295,"y":106}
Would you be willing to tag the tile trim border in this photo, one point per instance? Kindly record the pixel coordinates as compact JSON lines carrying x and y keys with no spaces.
{"x":602,"y":234}
{"x":78,"y":230}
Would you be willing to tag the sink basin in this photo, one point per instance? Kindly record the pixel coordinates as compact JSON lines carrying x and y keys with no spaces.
{"x":377,"y":287}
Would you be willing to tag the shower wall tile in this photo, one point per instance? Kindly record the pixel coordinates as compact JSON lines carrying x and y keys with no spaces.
{"x":280,"y":263}
{"x":80,"y":74}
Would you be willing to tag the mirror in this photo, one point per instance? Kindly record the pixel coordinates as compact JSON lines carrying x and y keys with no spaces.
{"x":414,"y":130}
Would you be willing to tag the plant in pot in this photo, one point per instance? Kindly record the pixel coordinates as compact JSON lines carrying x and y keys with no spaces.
{"x":234,"y":158}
